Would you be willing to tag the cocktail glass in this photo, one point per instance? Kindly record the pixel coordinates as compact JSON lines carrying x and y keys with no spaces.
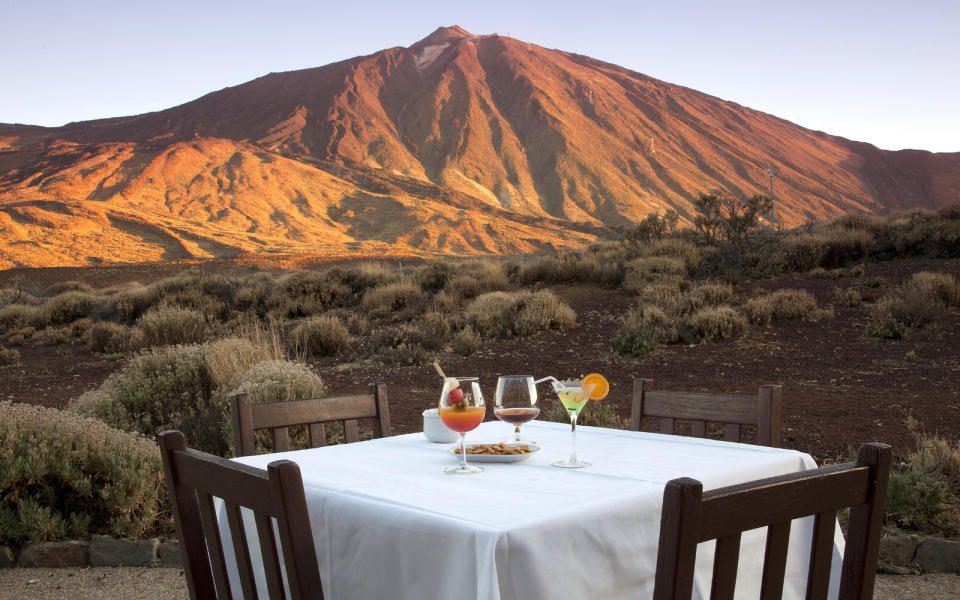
{"x":461,"y":409}
{"x":515,"y":402}
{"x":573,"y":395}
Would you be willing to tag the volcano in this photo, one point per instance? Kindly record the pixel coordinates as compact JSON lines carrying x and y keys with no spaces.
{"x":459,"y":144}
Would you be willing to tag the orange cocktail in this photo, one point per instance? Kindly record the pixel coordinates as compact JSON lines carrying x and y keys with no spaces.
{"x":462,"y":419}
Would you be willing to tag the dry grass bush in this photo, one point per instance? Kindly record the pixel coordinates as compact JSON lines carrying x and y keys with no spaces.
{"x":211,"y":307}
{"x":594,"y":414}
{"x":396,"y":300}
{"x":320,"y":335}
{"x":113,"y":338}
{"x":169,"y":325}
{"x":227,"y":358}
{"x":678,"y":248}
{"x":434,"y":276}
{"x":466,"y":342}
{"x":80,"y":327}
{"x":163,"y":388}
{"x":67,"y":307}
{"x":55,"y":289}
{"x":920,"y":300}
{"x":62,"y":475}
{"x":782,"y":305}
{"x":9,"y":356}
{"x":939,"y":287}
{"x":355,"y":322}
{"x":522,"y":313}
{"x":403,"y":344}
{"x":718,"y":323}
{"x":600,"y":264}
{"x":662,"y":295}
{"x":16,"y":316}
{"x":924,"y":492}
{"x":652,"y":269}
{"x":642,"y":329}
{"x":53,"y":336}
{"x":303,"y":293}
{"x":847,"y":297}
{"x":127,"y":304}
{"x":703,"y":295}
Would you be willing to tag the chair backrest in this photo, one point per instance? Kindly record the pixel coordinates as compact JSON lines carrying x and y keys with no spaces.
{"x":691,"y":516}
{"x":765,"y":411}
{"x":248,"y":417}
{"x":195,"y":478}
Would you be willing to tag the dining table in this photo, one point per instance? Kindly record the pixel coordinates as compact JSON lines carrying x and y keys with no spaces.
{"x":389,"y":523}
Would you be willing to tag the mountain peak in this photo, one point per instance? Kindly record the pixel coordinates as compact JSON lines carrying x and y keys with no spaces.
{"x":444,"y":34}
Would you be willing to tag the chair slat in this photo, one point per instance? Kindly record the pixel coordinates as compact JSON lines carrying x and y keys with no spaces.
{"x":211,"y":533}
{"x":299,"y":554}
{"x":821,"y":555}
{"x":318,"y":435}
{"x":863,"y":539}
{"x":240,"y":550}
{"x":350,"y":432}
{"x":698,"y":429}
{"x":731,"y":433}
{"x":775,"y":561}
{"x":676,"y":560}
{"x":271,"y":560}
{"x":666,"y":426}
{"x":296,"y":412}
{"x":725,"y":560}
{"x":281,"y":439}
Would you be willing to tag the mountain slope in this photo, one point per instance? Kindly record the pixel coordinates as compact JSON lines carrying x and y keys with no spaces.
{"x":457,"y":144}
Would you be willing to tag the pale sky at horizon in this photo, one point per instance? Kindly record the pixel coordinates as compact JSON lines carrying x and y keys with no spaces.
{"x":882,"y":72}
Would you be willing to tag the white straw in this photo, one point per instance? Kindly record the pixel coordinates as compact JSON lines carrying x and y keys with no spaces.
{"x":547,"y":378}
{"x":436,"y":365}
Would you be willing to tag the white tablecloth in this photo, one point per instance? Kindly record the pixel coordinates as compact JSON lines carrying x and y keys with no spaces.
{"x":390,"y":524}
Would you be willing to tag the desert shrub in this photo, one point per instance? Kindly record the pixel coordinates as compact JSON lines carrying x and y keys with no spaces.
{"x":64,"y":475}
{"x":303,"y":293}
{"x":521,"y":313}
{"x":940,"y":288}
{"x":466,"y":342}
{"x":168,"y":325}
{"x":15,"y":294}
{"x":887,"y":320}
{"x":398,"y":300}
{"x":435,"y":329}
{"x":682,"y":250}
{"x":662,"y":295}
{"x":16,"y":316}
{"x":9,"y":356}
{"x":227,"y":358}
{"x":60,"y":287}
{"x":80,"y":327}
{"x":594,"y":414}
{"x":924,"y":492}
{"x":434,"y":276}
{"x":52,"y":336}
{"x":922,"y":299}
{"x":194,"y":299}
{"x":846,"y":297}
{"x":642,"y":329}
{"x":652,"y":269}
{"x":127,"y":304}
{"x":785,"y":305}
{"x":403,"y":344}
{"x":163,"y":388}
{"x":703,"y":295}
{"x":718,"y":323}
{"x":587,"y":267}
{"x":321,"y":335}
{"x":489,"y":274}
{"x":460,"y":288}
{"x":69,"y":306}
{"x":111,"y":338}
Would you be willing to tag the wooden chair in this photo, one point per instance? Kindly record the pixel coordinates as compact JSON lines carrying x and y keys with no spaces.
{"x":764,"y":410}
{"x":691,"y":516}
{"x":194,"y":478}
{"x":278,"y":416}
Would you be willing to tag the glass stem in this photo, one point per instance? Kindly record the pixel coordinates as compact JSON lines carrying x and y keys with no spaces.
{"x":463,"y":451}
{"x":573,"y":436}
{"x":516,"y":433}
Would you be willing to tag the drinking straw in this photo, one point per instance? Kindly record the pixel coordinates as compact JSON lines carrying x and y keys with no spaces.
{"x":547,"y":378}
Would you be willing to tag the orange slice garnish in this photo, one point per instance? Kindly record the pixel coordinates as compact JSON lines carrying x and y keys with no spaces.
{"x":601,"y":387}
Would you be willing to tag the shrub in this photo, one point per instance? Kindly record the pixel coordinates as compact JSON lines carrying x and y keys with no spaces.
{"x":227,"y":358}
{"x":719,"y":323}
{"x":434,"y":276}
{"x":168,"y":325}
{"x":16,"y":316}
{"x":886,"y":320}
{"x":594,"y":414}
{"x":939,"y":288}
{"x":642,"y":329}
{"x":163,"y":388}
{"x":519,"y":313}
{"x":9,"y":356}
{"x":922,"y":299}
{"x":64,"y":475}
{"x":785,"y":304}
{"x":53,"y":336}
{"x":662,"y":295}
{"x":924,"y":493}
{"x":303,"y":293}
{"x":127,"y":304}
{"x":846,"y":297}
{"x":398,"y":300}
{"x":111,"y":338}
{"x":682,"y":250}
{"x":80,"y":327}
{"x":404,"y":344}
{"x":69,"y":306}
{"x":68,"y":286}
{"x":703,"y":295}
{"x":652,"y":269}
{"x":573,"y":266}
{"x":321,"y":335}
{"x":466,"y":342}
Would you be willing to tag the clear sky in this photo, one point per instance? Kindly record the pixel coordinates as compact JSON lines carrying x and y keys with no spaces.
{"x":881,"y":71}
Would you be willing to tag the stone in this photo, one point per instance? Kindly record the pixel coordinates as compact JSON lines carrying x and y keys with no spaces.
{"x":898,"y":550}
{"x":939,"y":556}
{"x":106,"y":551}
{"x":71,"y":553}
{"x":7,"y":559}
{"x":169,"y":554}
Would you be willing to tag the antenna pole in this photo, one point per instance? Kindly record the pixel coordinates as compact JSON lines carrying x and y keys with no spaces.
{"x":771,"y":172}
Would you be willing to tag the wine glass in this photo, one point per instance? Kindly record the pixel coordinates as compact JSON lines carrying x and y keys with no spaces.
{"x":461,"y":409}
{"x":573,"y":395}
{"x":515,"y":402}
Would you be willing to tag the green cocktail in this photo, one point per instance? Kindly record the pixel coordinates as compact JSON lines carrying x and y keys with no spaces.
{"x":573,"y":395}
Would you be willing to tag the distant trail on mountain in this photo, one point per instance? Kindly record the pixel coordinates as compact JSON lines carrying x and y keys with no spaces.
{"x":459,"y":144}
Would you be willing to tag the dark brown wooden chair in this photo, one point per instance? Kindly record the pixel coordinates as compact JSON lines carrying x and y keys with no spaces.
{"x":691,"y":516}
{"x":764,"y":410}
{"x":195,"y":478}
{"x":248,"y":417}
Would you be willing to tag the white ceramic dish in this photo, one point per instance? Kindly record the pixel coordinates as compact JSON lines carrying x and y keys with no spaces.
{"x":495,"y":458}
{"x":434,"y":429}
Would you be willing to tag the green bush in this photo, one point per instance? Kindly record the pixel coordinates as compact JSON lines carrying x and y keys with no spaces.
{"x":719,"y":323}
{"x":321,"y":335}
{"x":924,"y":492}
{"x":398,"y":300}
{"x":642,"y":329}
{"x":784,"y":304}
{"x":521,"y":313}
{"x":62,"y":475}
{"x":169,"y":325}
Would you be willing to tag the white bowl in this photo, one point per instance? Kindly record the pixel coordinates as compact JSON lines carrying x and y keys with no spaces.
{"x":434,"y":429}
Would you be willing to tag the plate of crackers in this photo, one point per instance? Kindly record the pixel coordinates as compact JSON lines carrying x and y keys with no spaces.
{"x":504,"y":452}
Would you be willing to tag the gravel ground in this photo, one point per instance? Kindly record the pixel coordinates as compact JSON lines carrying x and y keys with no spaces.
{"x":104,"y":583}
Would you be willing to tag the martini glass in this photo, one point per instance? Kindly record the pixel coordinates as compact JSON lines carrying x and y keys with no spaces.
{"x":573,"y":395}
{"x":515,"y":402}
{"x":461,"y":409}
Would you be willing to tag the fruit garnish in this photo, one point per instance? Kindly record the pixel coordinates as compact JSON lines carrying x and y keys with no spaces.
{"x":601,"y":387}
{"x":456,"y":399}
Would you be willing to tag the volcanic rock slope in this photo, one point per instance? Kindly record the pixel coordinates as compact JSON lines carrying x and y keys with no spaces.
{"x":459,"y":144}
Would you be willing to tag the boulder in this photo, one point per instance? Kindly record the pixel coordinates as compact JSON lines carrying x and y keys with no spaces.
{"x":55,"y":554}
{"x":106,"y":551}
{"x":939,"y":556}
{"x":7,"y":559}
{"x":898,"y":550}
{"x":169,"y":554}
